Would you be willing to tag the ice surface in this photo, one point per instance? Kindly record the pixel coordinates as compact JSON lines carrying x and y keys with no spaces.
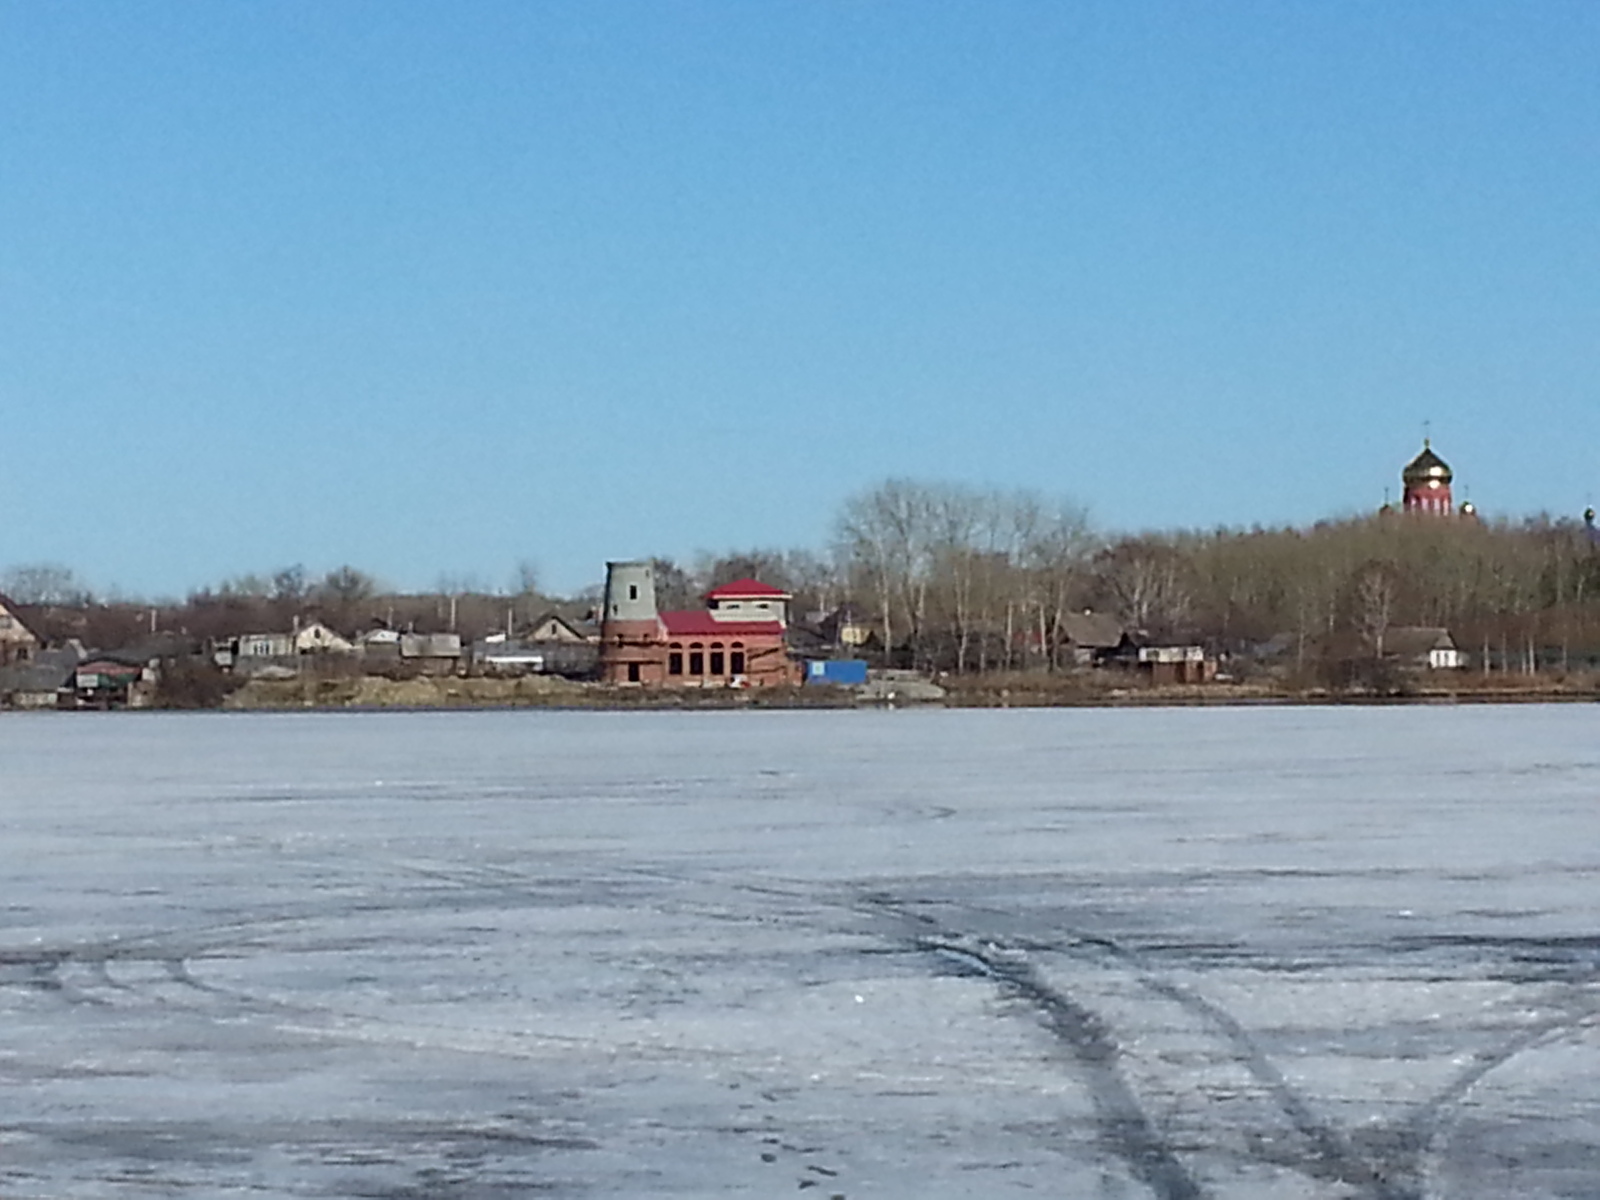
{"x":1172,"y":953}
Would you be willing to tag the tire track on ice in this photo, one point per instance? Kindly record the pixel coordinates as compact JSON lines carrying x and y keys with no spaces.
{"x":1125,"y":1127}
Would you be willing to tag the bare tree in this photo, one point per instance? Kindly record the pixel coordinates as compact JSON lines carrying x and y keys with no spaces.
{"x":1148,"y":581}
{"x":290,"y":585}
{"x":675,"y":590}
{"x":44,"y":583}
{"x":886,"y":531}
{"x":1373,"y":603}
{"x":525,"y":579}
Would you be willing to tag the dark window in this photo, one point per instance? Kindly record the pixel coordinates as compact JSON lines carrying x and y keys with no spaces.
{"x":633,"y":672}
{"x":633,"y":591}
{"x":716,"y":662}
{"x":675,"y":663}
{"x":736,"y":661}
{"x":697,"y":663}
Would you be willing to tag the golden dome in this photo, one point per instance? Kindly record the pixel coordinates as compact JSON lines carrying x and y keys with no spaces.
{"x":1426,"y":468}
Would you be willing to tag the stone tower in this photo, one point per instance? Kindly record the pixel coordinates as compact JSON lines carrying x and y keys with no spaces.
{"x":630,"y":626}
{"x":630,"y":593}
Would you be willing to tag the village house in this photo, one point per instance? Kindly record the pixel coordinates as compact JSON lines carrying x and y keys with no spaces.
{"x":17,"y":642}
{"x":553,"y":644}
{"x":1089,"y":637}
{"x":1423,"y":647}
{"x":737,"y":640}
{"x":847,"y":627}
{"x":44,"y":681}
{"x":552,"y":627}
{"x":316,"y":638}
{"x":249,"y":647}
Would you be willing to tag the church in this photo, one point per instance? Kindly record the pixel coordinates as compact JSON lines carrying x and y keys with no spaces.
{"x":1425,"y":487}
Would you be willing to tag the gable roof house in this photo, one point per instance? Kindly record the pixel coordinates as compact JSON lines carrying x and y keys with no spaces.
{"x":46,"y":681}
{"x":1091,"y":637}
{"x":17,"y":642}
{"x":1423,"y":646}
{"x":847,"y":627}
{"x":553,"y":627}
{"x":317,"y":638}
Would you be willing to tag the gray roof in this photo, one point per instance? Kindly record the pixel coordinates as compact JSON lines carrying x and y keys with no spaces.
{"x":1415,"y":641}
{"x":1092,"y":630}
{"x":35,"y":677}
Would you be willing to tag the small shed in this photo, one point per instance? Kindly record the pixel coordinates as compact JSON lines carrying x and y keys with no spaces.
{"x":1177,"y":664}
{"x":114,"y":681}
{"x":435,"y":653}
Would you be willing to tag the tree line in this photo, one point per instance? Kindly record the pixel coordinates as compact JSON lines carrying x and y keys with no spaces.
{"x":961,"y":579}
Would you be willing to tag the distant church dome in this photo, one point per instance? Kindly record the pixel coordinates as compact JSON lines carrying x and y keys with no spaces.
{"x":1426,"y":484}
{"x":1426,"y":467}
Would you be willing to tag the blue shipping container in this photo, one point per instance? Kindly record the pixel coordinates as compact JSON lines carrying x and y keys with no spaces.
{"x":844,"y":672}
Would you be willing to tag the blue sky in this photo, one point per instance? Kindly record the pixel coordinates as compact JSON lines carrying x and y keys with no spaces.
{"x":436,"y":288}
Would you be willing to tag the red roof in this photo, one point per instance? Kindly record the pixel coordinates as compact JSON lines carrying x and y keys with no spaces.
{"x":747,"y":589}
{"x":703,"y":624}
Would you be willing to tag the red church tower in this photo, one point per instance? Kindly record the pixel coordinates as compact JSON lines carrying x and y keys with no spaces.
{"x":1426,"y":481}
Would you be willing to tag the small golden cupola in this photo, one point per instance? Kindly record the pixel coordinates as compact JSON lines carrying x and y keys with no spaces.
{"x":1426,"y":482}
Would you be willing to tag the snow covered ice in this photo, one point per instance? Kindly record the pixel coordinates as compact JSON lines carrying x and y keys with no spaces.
{"x":1169,"y":953}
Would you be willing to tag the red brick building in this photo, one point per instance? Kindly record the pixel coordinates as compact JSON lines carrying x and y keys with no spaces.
{"x":737,"y":640}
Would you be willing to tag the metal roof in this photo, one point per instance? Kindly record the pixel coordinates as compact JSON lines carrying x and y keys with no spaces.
{"x":1426,"y":466}
{"x":746,"y":589}
{"x":703,"y":624}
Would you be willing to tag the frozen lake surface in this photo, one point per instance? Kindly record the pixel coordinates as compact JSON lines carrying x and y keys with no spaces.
{"x":1152,"y":953}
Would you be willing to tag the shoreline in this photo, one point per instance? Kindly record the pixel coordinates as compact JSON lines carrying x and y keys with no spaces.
{"x":290,"y":696}
{"x":458,"y":694}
